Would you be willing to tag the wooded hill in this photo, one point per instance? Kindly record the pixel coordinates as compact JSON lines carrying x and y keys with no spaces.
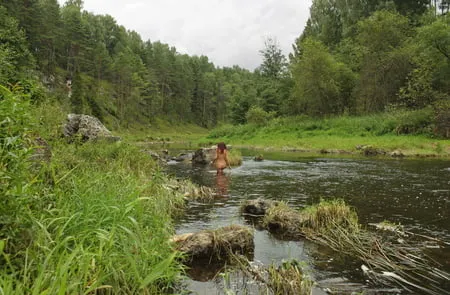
{"x":354,"y":57}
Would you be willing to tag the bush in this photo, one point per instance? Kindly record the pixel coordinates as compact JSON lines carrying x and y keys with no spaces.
{"x":258,"y":116}
{"x":415,"y":122}
{"x":442,"y":118}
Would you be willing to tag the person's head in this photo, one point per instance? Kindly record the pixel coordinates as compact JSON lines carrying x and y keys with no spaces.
{"x":221,"y":146}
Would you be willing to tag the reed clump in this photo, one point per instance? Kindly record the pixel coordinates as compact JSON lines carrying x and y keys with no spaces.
{"x":235,"y":157}
{"x":327,"y":215}
{"x":189,"y":190}
{"x":287,"y":277}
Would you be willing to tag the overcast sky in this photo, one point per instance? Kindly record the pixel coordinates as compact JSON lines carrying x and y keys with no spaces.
{"x":229,"y":32}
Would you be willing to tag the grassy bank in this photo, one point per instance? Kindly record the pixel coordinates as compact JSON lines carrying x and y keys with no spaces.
{"x":408,"y":132}
{"x":94,"y":218}
{"x":163,"y":131}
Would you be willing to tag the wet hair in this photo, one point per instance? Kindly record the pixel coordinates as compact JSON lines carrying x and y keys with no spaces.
{"x":221,"y":147}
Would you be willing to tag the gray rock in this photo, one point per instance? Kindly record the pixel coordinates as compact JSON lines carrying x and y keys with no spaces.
{"x":87,"y":128}
{"x":203,"y":156}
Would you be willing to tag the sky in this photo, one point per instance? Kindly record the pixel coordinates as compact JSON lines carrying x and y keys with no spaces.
{"x":228,"y":32}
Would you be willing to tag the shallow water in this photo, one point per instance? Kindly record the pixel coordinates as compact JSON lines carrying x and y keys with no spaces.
{"x":414,"y":193}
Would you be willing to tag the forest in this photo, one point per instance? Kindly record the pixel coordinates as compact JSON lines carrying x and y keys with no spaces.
{"x":353,"y":58}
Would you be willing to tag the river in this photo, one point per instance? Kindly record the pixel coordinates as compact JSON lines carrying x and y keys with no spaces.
{"x":413,"y":193}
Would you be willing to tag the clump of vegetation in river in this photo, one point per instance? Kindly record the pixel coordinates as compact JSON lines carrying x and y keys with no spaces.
{"x":391,"y":260}
{"x":215,"y":246}
{"x":286,"y":277}
{"x":190,"y":190}
{"x":235,"y":157}
{"x":95,"y":218}
{"x":284,"y":220}
{"x":329,"y":214}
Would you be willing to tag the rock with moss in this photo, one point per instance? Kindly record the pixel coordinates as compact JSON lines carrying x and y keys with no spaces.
{"x":257,"y":207}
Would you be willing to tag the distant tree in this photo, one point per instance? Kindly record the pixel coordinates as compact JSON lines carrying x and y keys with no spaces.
{"x":15,"y":58}
{"x":49,"y":35}
{"x":326,"y":22}
{"x":385,"y":63}
{"x":274,"y":64}
{"x":408,"y":7}
{"x":322,"y":86}
{"x":429,"y":81}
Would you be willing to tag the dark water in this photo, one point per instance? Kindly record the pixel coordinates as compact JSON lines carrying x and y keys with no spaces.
{"x":414,"y":193}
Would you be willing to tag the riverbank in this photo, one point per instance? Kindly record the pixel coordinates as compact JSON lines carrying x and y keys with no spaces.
{"x":81,"y":217}
{"x":382,"y":134}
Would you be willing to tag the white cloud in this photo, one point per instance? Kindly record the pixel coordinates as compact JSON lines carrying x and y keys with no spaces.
{"x":227,"y":31}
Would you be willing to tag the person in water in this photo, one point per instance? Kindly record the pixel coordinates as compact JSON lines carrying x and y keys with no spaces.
{"x":221,"y":160}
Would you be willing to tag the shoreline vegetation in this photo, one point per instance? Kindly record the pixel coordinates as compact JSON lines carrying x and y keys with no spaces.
{"x":385,"y":134}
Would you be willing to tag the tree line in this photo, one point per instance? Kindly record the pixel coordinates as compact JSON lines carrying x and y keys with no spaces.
{"x":353,"y":57}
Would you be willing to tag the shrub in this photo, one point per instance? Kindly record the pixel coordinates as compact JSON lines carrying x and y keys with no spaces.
{"x":258,"y":116}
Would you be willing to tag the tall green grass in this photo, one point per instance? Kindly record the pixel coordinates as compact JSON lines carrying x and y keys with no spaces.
{"x":95,"y":219}
{"x":410,"y":131}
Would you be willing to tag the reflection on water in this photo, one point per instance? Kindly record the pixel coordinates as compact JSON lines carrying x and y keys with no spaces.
{"x":222,"y":181}
{"x":414,"y":193}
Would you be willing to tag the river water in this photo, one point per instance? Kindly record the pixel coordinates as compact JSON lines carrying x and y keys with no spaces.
{"x":413,"y":193}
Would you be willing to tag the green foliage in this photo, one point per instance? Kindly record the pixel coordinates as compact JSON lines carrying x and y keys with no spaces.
{"x":386,"y":64}
{"x":15,"y":58}
{"x":274,"y":62}
{"x":415,"y":122}
{"x":98,"y":229}
{"x":442,"y":118}
{"x":15,"y":189}
{"x":428,"y":82}
{"x":322,"y":85}
{"x":258,"y":116}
